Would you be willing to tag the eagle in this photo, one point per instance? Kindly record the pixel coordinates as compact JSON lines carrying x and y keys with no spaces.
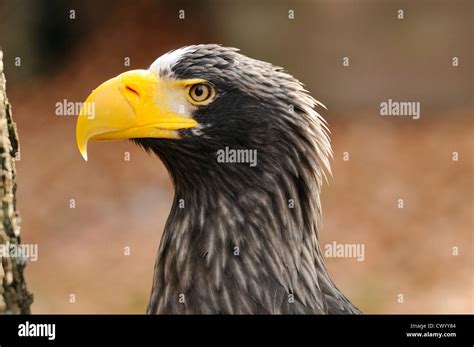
{"x":242,"y":236}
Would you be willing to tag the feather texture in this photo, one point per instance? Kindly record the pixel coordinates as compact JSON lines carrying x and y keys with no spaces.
{"x":247,"y":239}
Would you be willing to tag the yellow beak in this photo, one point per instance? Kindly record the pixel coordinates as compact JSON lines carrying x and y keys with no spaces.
{"x":131,"y":105}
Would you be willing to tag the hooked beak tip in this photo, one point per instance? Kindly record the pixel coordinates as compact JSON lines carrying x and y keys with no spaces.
{"x":84,"y":153}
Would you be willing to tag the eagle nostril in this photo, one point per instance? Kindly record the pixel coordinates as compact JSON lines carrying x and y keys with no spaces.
{"x":131,"y":90}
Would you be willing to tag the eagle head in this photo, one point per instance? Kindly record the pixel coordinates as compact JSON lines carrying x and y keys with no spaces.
{"x":247,"y":153}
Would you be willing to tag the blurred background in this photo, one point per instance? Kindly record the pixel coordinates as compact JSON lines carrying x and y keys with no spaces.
{"x":120,"y":204}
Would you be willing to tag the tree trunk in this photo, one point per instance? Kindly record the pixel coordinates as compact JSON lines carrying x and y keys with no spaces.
{"x":14,"y":297}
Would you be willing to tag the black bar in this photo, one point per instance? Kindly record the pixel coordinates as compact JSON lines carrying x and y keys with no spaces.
{"x":91,"y":330}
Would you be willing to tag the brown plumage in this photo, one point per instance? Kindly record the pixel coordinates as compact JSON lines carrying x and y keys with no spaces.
{"x":242,"y":238}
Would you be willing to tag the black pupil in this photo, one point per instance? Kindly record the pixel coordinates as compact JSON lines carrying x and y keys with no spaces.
{"x":199,"y":91}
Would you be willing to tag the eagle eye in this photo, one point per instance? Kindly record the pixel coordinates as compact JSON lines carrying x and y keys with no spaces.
{"x":200,"y":93}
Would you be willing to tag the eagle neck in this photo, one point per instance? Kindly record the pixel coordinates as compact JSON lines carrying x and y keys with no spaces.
{"x":234,"y":238}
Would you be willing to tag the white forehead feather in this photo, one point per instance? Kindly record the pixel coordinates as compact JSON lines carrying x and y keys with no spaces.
{"x":163,"y":65}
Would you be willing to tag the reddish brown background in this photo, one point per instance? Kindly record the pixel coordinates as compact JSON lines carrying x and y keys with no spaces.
{"x":120,"y":204}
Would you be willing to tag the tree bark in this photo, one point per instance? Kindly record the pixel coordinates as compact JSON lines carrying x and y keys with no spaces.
{"x":14,"y":297}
